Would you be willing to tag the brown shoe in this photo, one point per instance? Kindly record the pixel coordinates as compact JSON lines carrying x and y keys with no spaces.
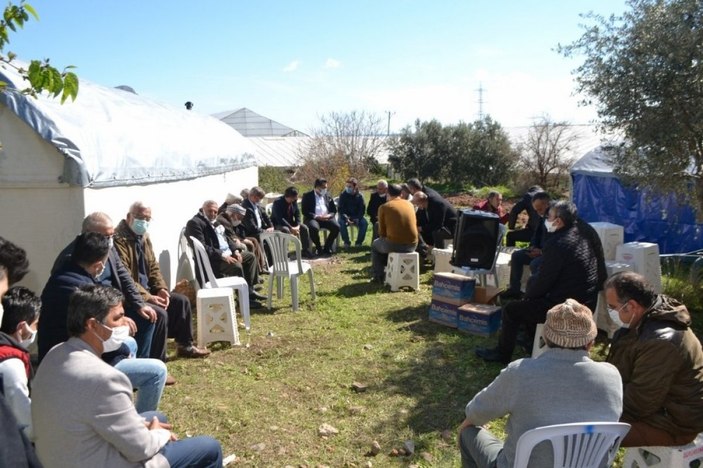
{"x":170,"y":380}
{"x":192,"y":351}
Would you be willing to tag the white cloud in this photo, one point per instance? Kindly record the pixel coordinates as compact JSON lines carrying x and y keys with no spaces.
{"x":332,"y":63}
{"x":291,"y":67}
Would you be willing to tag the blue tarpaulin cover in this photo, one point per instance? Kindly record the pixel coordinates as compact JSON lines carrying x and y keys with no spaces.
{"x":601,"y":196}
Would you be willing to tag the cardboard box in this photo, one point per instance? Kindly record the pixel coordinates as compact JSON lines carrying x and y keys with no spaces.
{"x":478,"y":319}
{"x":452,"y":288}
{"x":444,"y":313}
{"x":485,"y":294}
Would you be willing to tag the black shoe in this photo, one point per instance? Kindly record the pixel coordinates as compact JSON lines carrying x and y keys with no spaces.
{"x":308,"y":255}
{"x":376,"y":280}
{"x":258,"y":287}
{"x":326,"y":253}
{"x":491,"y":355}
{"x":253,"y":295}
{"x":255,"y":305}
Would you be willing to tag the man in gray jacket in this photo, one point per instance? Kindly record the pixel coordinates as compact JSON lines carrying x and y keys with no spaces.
{"x":82,"y":410}
{"x":562,"y":385}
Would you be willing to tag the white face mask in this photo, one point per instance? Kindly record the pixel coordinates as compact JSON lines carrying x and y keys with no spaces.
{"x":100,"y":272}
{"x":615,"y":317}
{"x":117,"y":337}
{"x":550,"y":225}
{"x":111,"y":242}
{"x":28,"y":341}
{"x":323,"y":192}
{"x":236,"y":222}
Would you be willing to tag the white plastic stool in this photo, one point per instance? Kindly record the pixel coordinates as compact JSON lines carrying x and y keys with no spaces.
{"x":441,"y":260}
{"x":538,"y":345}
{"x":217,"y":319}
{"x":403,"y":269}
{"x":664,"y":457}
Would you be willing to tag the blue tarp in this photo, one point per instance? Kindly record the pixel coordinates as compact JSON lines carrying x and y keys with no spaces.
{"x":600,"y":196}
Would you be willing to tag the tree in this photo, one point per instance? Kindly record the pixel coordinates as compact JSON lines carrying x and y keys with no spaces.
{"x":543,"y":154}
{"x":40,"y":74}
{"x":478,"y":153}
{"x":644,"y":72}
{"x":345,"y":144}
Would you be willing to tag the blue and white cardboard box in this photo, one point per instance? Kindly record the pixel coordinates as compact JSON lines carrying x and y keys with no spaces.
{"x":453,"y":289}
{"x":478,"y":319}
{"x":443,"y":312}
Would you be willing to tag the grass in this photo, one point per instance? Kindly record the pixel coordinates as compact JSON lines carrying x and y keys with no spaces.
{"x":265,"y":400}
{"x":295,"y":372}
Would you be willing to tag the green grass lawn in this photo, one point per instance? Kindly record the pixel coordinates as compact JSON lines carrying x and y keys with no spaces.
{"x":265,"y":400}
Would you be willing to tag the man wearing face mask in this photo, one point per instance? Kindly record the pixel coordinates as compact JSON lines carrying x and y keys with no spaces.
{"x":377,"y":198}
{"x":660,"y":362}
{"x":351,"y":212}
{"x":134,"y":247}
{"x":569,"y":269}
{"x":82,"y":410}
{"x":17,"y":333}
{"x":318,"y":213}
{"x":285,"y":216}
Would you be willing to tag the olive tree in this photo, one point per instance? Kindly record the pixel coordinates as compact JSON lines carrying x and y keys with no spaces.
{"x":643,"y":70}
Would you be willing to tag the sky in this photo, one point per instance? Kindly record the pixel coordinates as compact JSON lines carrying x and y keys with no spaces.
{"x":295,"y":61}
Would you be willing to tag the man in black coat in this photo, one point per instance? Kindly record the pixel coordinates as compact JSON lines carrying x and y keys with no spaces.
{"x":319,"y":212}
{"x":570,"y":269}
{"x":225,"y":259}
{"x":256,"y":220}
{"x":440,"y":224}
{"x":534,"y":219}
{"x":285,"y":216}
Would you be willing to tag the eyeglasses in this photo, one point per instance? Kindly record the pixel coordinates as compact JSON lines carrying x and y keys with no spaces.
{"x":616,"y":310}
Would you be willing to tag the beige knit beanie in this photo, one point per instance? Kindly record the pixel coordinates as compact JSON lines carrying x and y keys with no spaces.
{"x":570,"y":325}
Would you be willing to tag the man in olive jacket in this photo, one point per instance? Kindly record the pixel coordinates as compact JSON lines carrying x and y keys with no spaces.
{"x":660,"y":361}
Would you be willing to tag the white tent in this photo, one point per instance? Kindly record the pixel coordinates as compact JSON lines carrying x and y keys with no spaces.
{"x":100,"y":153}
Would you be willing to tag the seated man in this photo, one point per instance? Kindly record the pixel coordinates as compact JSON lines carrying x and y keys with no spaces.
{"x":82,"y":411}
{"x":17,"y":333}
{"x":562,"y":385}
{"x":256,"y":220}
{"x":493,"y":204}
{"x":660,"y":363}
{"x":397,"y":229}
{"x":133,"y":244}
{"x":440,"y":224}
{"x":534,"y":219}
{"x":318,"y":213}
{"x":532,"y":255}
{"x":89,"y":256}
{"x":351,"y":209}
{"x":570,"y":269}
{"x":150,"y":324}
{"x":285,"y":216}
{"x":236,"y":235}
{"x":225,"y":259}
{"x":376,"y":199}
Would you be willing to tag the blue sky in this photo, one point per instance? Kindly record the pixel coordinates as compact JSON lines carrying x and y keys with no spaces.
{"x":293,"y":61}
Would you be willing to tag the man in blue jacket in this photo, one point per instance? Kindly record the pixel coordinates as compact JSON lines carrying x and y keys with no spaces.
{"x":351,"y":208}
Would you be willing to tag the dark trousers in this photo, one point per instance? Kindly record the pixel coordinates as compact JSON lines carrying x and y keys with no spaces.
{"x":374,"y":230}
{"x":314,"y":227}
{"x":158,"y":339}
{"x":518,"y":261}
{"x":247,"y":269}
{"x":145,"y":332}
{"x":521,"y":235}
{"x":304,"y":235}
{"x":528,"y":312}
{"x":180,"y":319}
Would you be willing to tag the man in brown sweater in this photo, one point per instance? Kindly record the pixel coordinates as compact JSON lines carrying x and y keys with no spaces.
{"x":397,"y":231}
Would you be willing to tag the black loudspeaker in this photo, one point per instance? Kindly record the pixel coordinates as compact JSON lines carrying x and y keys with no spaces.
{"x":475,"y":239}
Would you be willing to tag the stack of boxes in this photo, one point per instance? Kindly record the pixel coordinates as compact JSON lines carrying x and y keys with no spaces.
{"x":457,"y":302}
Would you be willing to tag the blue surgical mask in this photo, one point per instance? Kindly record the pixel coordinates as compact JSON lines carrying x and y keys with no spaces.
{"x":139,"y":226}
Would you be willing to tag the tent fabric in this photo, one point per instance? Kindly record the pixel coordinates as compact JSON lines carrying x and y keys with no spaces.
{"x":646,"y":217}
{"x":112,"y":137}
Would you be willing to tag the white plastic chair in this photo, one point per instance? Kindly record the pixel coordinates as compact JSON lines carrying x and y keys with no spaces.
{"x":282,"y":268}
{"x":575,"y":445}
{"x":186,"y":267}
{"x":234,"y":282}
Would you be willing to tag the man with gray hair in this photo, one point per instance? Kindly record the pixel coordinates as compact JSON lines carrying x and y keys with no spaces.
{"x":569,"y":269}
{"x":378,"y":198}
{"x":562,"y":385}
{"x":493,"y":204}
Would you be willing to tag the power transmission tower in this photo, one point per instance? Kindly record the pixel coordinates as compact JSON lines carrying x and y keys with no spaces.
{"x":480,"y":101}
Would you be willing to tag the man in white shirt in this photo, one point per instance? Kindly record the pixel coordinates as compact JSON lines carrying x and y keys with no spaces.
{"x":319,"y":212}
